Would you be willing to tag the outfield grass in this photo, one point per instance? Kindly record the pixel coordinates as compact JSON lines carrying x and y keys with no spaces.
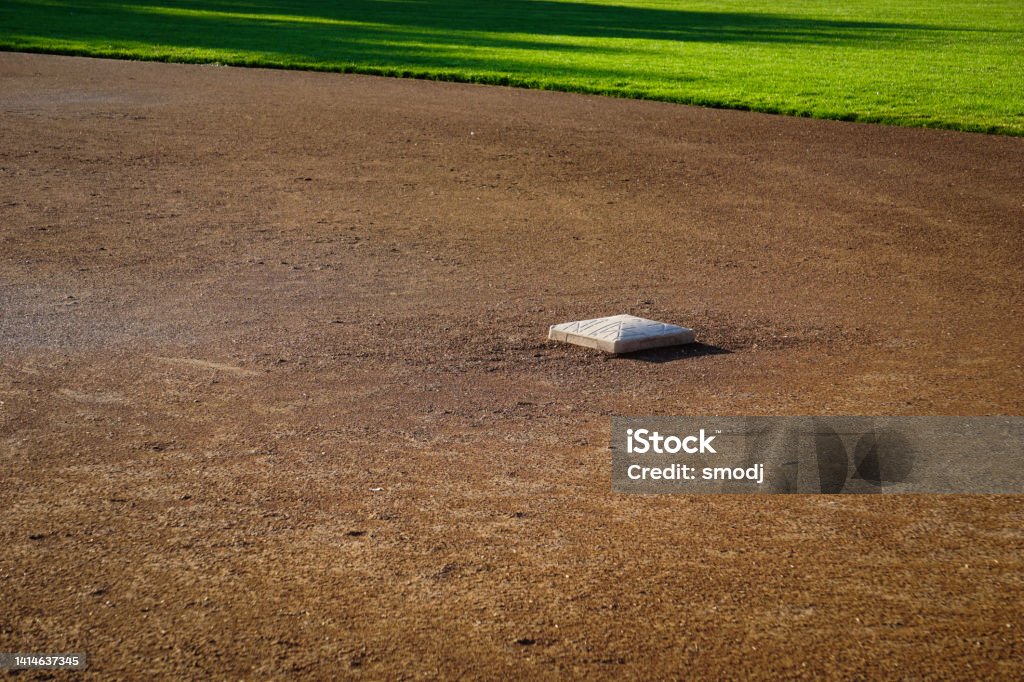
{"x":954,"y":64}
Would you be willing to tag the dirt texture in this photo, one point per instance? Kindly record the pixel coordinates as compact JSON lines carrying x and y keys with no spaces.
{"x":275,"y":394}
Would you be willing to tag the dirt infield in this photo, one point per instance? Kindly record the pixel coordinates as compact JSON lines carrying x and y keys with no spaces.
{"x":275,"y":394}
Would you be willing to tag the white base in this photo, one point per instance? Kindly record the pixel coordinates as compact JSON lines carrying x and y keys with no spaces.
{"x":621,"y":334}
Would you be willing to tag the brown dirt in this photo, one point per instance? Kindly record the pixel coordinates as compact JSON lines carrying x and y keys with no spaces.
{"x":276,"y":395}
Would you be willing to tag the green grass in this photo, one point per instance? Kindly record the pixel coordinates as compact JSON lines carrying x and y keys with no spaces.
{"x":948,"y":64}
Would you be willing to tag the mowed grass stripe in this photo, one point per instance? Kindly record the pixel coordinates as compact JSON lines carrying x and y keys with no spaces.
{"x":956,"y":64}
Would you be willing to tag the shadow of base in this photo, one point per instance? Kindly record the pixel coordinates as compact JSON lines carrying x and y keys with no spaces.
{"x":692,"y":350}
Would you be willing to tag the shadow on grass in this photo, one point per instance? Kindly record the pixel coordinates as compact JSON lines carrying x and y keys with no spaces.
{"x":417,"y":33}
{"x":660,"y":355}
{"x":532,"y":17}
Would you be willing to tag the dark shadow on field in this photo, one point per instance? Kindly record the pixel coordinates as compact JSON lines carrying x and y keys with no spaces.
{"x":660,"y":355}
{"x":406,"y":34}
{"x":545,"y":17}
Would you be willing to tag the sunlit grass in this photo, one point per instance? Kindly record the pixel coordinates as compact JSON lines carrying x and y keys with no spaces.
{"x":954,"y":64}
